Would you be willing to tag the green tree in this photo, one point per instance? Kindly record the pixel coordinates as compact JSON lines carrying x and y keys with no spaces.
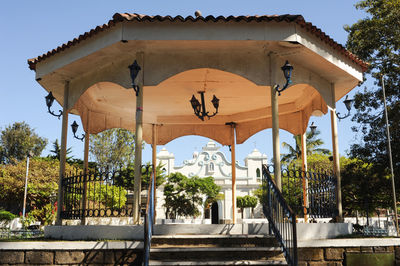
{"x":313,"y":146}
{"x":246,"y":202}
{"x":184,"y":196}
{"x":56,"y":152}
{"x":376,"y":39}
{"x":176,"y":202}
{"x":147,"y":172}
{"x":126,"y":179}
{"x":212,"y":190}
{"x":113,"y":148}
{"x":316,"y":162}
{"x":363,"y":188}
{"x":42,"y":184}
{"x":17,"y":140}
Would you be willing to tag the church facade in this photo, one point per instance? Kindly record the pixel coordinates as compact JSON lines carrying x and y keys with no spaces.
{"x":210,"y":161}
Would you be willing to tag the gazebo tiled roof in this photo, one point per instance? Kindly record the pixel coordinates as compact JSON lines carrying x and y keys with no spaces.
{"x":120,"y":17}
{"x":236,"y":58}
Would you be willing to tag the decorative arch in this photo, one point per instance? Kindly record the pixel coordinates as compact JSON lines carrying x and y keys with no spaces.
{"x":251,"y":66}
{"x":293,"y":122}
{"x":99,"y":111}
{"x":218,"y":133}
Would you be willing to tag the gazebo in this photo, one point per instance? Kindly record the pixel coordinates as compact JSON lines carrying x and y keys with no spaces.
{"x":178,"y":65}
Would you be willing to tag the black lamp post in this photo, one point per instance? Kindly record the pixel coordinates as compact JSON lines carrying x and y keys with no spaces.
{"x":49,"y":102}
{"x":200,"y":108}
{"x":74,"y":127}
{"x":348,"y":103}
{"x":287,"y":72}
{"x":134,"y":71}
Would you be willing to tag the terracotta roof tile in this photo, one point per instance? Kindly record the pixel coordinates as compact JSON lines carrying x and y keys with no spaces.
{"x":120,"y":17}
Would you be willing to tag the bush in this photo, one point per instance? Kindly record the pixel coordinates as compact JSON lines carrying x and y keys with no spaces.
{"x":42,"y":184}
{"x":6,"y":216}
{"x":46,"y":215}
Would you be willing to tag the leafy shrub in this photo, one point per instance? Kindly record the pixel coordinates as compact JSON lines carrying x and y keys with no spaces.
{"x":46,"y":215}
{"x":28,"y":219}
{"x":6,"y":216}
{"x":42,"y":183}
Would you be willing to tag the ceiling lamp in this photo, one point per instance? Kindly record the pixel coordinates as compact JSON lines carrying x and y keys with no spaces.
{"x":200,"y":108}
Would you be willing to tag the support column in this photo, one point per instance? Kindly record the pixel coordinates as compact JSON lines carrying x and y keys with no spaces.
{"x":138,"y":142}
{"x":154,"y":162}
{"x":275,"y":138}
{"x":233,"y":157}
{"x":336,"y":163}
{"x":85,"y":168}
{"x":304,"y":168}
{"x":63,"y":153}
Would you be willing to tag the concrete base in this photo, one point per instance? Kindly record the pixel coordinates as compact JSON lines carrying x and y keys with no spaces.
{"x":306,"y":231}
{"x":94,"y":232}
{"x":135,"y":232}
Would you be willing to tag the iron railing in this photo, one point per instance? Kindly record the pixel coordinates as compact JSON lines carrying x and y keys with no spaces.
{"x":149,"y":220}
{"x":96,"y":194}
{"x":310,"y":192}
{"x":281,"y":218}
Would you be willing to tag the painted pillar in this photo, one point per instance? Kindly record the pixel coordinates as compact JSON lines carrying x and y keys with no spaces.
{"x":336,"y":163}
{"x":275,"y":138}
{"x":63,"y":153}
{"x":304,"y":168}
{"x":233,"y":157}
{"x":154,"y":162}
{"x":138,"y":142}
{"x":85,"y":168}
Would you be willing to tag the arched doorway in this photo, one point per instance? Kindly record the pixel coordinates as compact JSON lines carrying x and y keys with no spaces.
{"x":214,"y":213}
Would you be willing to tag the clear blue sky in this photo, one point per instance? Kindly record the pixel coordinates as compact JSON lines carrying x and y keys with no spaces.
{"x":31,"y":28}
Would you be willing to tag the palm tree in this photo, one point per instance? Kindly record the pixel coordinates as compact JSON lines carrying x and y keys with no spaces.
{"x":56,"y":151}
{"x":313,"y":146}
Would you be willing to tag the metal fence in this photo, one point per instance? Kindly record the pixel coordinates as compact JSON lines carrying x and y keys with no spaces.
{"x":313,"y":192}
{"x":281,"y":218}
{"x":97,"y":194}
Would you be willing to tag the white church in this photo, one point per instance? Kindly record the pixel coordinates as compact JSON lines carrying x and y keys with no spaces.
{"x":210,"y":161}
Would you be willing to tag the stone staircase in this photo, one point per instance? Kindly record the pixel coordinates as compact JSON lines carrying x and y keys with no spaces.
{"x":215,"y":250}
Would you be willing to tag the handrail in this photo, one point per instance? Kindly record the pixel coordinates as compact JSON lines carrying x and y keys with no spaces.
{"x":148,"y":221}
{"x":281,"y":218}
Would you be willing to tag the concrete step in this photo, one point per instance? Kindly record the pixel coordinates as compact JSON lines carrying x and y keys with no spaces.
{"x":215,"y":250}
{"x":217,"y":263}
{"x":213,"y":241}
{"x":216,"y":254}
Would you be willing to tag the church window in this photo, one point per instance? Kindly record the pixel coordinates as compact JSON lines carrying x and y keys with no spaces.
{"x":258,"y":173}
{"x":211,"y":167}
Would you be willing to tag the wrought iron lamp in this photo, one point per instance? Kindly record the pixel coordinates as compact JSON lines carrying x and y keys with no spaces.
{"x":287,"y":72}
{"x":74,"y":127}
{"x":200,"y":108}
{"x":134,"y":71}
{"x":49,"y":102}
{"x":313,"y":128}
{"x":348,"y":103}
